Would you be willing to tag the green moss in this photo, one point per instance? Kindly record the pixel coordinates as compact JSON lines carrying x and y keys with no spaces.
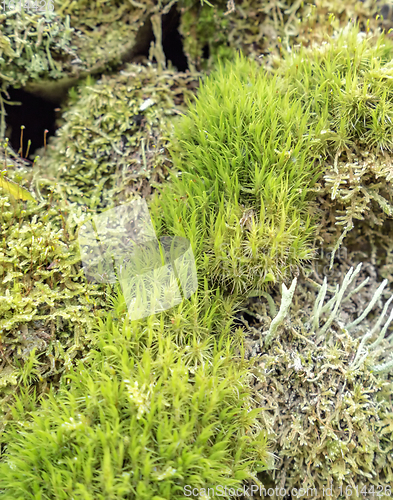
{"x":242,"y":176}
{"x":252,"y":145}
{"x":156,"y":406}
{"x":248,"y":159}
{"x":114,"y":134}
{"x":45,"y":302}
{"x":348,"y":78}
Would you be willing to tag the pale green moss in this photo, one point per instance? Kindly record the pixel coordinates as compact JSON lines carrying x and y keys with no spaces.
{"x":114,"y":134}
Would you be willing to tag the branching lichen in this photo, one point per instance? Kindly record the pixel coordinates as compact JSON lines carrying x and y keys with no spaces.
{"x":286,"y":301}
{"x":327,"y":392}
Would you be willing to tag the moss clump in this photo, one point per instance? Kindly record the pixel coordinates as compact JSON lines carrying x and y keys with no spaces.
{"x":114,"y":134}
{"x":352,"y":71}
{"x":252,"y":146}
{"x":323,"y":385}
{"x":156,"y":406}
{"x":245,"y":168}
{"x":46,"y":306}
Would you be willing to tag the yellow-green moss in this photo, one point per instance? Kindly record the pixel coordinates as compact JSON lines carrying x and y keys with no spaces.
{"x":158,"y":405}
{"x":45,"y":302}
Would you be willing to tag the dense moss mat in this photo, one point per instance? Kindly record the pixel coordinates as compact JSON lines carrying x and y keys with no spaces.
{"x":113,"y":138}
{"x":157,"y":405}
{"x":330,"y":105}
{"x":241,"y":188}
{"x":342,"y":90}
{"x":246,"y":170}
{"x":251,"y":149}
{"x":47,"y":306}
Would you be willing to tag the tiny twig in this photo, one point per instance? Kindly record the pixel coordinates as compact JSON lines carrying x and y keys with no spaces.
{"x":21,"y":141}
{"x":45,"y":132}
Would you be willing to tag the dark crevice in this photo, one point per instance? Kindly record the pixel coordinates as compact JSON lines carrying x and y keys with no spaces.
{"x":36,"y":114}
{"x":172,"y":41}
{"x":206,"y":51}
{"x":143,"y":39}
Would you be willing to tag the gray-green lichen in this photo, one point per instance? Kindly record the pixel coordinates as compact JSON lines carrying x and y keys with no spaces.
{"x":325,"y":388}
{"x":57,"y":48}
{"x":35,"y":46}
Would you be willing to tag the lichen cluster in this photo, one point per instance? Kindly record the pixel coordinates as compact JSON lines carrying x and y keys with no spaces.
{"x":35,"y":46}
{"x":326,"y":404}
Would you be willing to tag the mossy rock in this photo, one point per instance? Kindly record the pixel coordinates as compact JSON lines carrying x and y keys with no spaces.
{"x":48,"y":52}
{"x":114,"y":134}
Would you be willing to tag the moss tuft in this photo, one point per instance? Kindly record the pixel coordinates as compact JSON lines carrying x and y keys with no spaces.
{"x":142,"y":416}
{"x":242,"y":191}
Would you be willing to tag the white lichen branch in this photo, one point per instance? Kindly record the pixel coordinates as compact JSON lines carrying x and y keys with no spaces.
{"x":286,"y":302}
{"x":332,"y":308}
